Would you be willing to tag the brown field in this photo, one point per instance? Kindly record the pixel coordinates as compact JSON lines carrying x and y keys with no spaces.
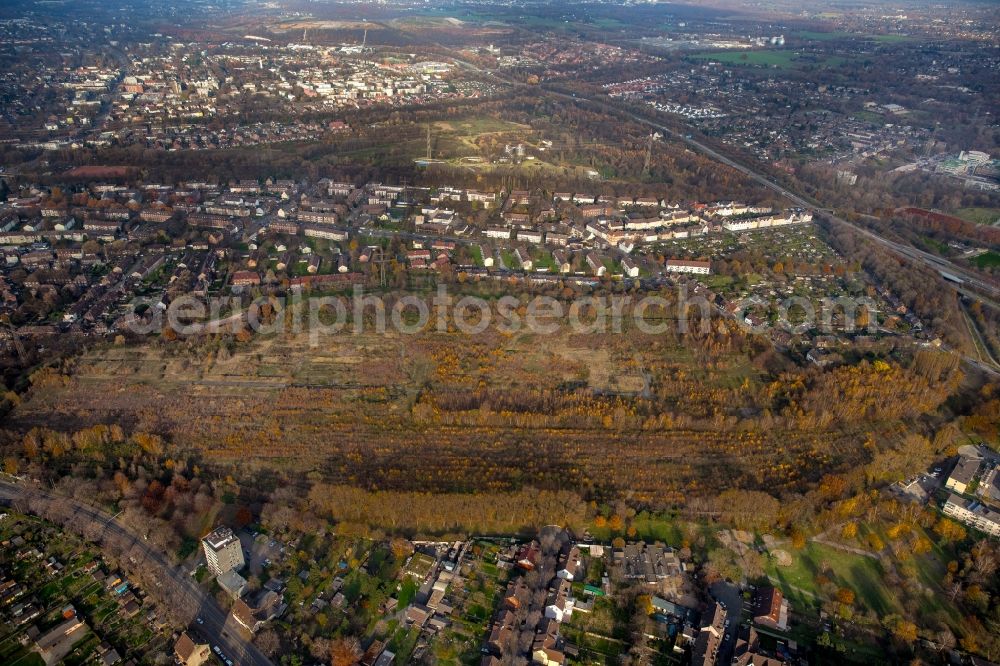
{"x":442,"y":411}
{"x":324,"y":25}
{"x":99,"y":172}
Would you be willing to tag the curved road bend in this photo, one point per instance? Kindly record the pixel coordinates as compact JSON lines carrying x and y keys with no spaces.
{"x":986,"y":292}
{"x":937,"y":263}
{"x":193,"y":598}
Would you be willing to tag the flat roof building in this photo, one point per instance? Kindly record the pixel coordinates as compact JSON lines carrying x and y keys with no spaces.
{"x":223,"y":551}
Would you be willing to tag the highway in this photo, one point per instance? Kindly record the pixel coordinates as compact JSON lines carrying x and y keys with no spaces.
{"x":194,"y":600}
{"x":974,"y":286}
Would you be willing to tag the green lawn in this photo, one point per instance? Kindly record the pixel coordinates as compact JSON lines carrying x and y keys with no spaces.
{"x":780,"y":59}
{"x":816,"y":36}
{"x":29,"y":659}
{"x":407,"y":592}
{"x":544,"y":260}
{"x":987,"y":260}
{"x":864,"y":575}
{"x":889,"y":39}
{"x":653,"y":528}
{"x":934,"y":245}
{"x":979,"y":215}
{"x":477,"y":255}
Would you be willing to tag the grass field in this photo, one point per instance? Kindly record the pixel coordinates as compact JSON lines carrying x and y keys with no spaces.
{"x":472,"y":127}
{"x":816,"y":36}
{"x":648,"y":527}
{"x":989,"y":216}
{"x":987,"y":260}
{"x":867,"y":576}
{"x":864,"y":575}
{"x":779,"y":59}
{"x":890,"y":39}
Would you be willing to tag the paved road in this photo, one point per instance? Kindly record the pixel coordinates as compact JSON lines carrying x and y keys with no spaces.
{"x":193,"y":598}
{"x":975,"y":286}
{"x":729,"y":595}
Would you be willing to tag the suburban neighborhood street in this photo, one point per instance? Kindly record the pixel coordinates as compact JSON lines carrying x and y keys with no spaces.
{"x":196,"y":602}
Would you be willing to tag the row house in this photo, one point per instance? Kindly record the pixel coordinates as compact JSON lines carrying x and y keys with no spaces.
{"x":207,"y":221}
{"x":228,"y":211}
{"x":317,"y":217}
{"x":283,"y":227}
{"x":340,"y":189}
{"x":108,"y":213}
{"x":642,"y":224}
{"x":596,"y":264}
{"x":325,"y":232}
{"x":529,"y":236}
{"x":516,"y":218}
{"x":487,"y":199}
{"x":686,"y":266}
{"x":523,"y":257}
{"x":497,"y":232}
{"x":245,"y":279}
{"x":677,"y":217}
{"x":245,"y":187}
{"x":520,"y":198}
{"x":155,"y":214}
{"x":446,"y":194}
{"x":102,"y":229}
{"x":561,"y":258}
{"x":557,"y":239}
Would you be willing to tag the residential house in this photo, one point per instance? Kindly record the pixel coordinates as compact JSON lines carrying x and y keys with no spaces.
{"x":498,"y":232}
{"x":487,"y":254}
{"x":770,"y":608}
{"x":520,"y":198}
{"x":569,"y":563}
{"x":528,"y":555}
{"x":325,"y":231}
{"x":561,"y":259}
{"x":559,"y":604}
{"x":548,"y":647}
{"x":529,"y":236}
{"x":748,"y":651}
{"x":685,"y":266}
{"x":973,"y":513}
{"x":263,"y":608}
{"x":232,"y":583}
{"x":706,"y":645}
{"x":596,"y":264}
{"x":961,"y":476}
{"x":523,"y":257}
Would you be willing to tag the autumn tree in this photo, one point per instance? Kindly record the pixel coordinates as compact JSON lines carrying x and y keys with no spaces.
{"x":345,"y":651}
